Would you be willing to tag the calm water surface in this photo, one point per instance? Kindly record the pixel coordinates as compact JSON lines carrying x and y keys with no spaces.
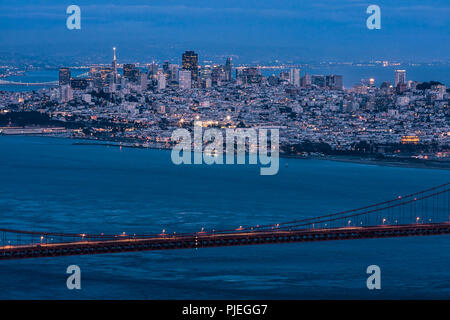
{"x":50,"y":184}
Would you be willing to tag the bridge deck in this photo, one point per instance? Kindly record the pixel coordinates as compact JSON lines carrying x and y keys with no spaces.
{"x":220,"y":240}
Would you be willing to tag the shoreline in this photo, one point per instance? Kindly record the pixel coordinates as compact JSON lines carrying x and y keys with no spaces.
{"x":388,"y":162}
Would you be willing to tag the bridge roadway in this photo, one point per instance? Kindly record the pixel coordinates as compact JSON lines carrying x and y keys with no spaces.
{"x":199,"y":240}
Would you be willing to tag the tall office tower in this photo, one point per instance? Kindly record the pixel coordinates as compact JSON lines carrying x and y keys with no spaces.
{"x":190,"y":63}
{"x":334,"y":82}
{"x":102,"y":77}
{"x":65,"y":93}
{"x":173,"y":69}
{"x":114,"y":65}
{"x":205,"y":77}
{"x":306,"y":80}
{"x":400,"y":77}
{"x":249,"y":75}
{"x":166,"y":67}
{"x":229,"y":70}
{"x":79,"y":84}
{"x":339,"y":82}
{"x":294,"y":77}
{"x":130,"y":72}
{"x":64,"y":76}
{"x":318,"y":80}
{"x":161,"y":81}
{"x":153,"y":71}
{"x":218,"y":75}
{"x":184,"y":79}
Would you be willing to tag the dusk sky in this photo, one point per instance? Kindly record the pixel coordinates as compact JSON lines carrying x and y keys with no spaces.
{"x":412,"y":30}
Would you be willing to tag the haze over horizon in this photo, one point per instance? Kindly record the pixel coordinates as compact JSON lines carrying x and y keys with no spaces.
{"x":250,"y":30}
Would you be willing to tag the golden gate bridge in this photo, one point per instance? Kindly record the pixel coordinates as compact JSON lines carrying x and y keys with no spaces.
{"x":422,"y":213}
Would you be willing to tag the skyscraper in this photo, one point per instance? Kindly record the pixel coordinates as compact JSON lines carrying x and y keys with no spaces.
{"x":229,"y":70}
{"x":184,"y":79}
{"x":161,"y":80}
{"x":65,"y":93}
{"x":166,"y":67}
{"x":318,"y":80}
{"x":306,"y":80}
{"x":130,"y":72}
{"x":249,"y":75}
{"x":114,"y":65}
{"x":294,"y":77}
{"x":173,"y":69}
{"x":64,"y":76}
{"x":153,"y":71}
{"x":190,"y":63}
{"x":334,"y":82}
{"x":127,"y":70}
{"x":218,"y":75}
{"x":400,"y":77}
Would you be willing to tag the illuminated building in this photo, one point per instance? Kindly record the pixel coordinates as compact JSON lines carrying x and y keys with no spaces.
{"x":190,"y":63}
{"x":249,"y":75}
{"x":410,"y":140}
{"x":65,"y":93}
{"x":184,"y":79}
{"x":294,"y":77}
{"x":79,"y":84}
{"x":64,"y":76}
{"x":153,"y":71}
{"x":228,"y":70}
{"x":334,"y":82}
{"x":130,"y":72}
{"x":161,"y":81}
{"x":400,"y":77}
{"x":114,"y":65}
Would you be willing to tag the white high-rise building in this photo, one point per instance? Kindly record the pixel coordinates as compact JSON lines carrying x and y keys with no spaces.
{"x":114,"y":66}
{"x":294,"y":77}
{"x":161,"y":80}
{"x":184,"y":79}
{"x":65,"y":93}
{"x":400,"y":77}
